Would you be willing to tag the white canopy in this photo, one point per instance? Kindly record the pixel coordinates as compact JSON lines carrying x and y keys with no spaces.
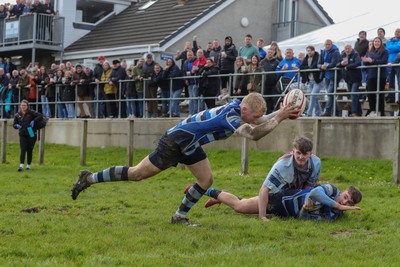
{"x":344,"y":32}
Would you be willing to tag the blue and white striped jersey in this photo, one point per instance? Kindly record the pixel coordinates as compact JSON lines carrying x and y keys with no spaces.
{"x":206,"y":126}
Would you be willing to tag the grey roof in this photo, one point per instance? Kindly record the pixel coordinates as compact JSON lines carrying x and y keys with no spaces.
{"x":157,"y":24}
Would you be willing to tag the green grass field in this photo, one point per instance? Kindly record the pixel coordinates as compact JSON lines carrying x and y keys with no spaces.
{"x":127,"y":224}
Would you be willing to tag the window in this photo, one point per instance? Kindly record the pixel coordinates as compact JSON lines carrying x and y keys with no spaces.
{"x":288,"y":10}
{"x":91,"y":11}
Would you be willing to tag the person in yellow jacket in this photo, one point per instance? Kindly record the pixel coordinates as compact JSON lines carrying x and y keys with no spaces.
{"x":110,"y":91}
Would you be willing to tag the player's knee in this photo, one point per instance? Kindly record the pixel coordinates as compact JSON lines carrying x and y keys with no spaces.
{"x":135,"y":175}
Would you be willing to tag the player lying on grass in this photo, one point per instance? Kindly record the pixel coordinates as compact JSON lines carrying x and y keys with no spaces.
{"x":298,"y":169}
{"x":322,"y":202}
{"x":183,"y":144}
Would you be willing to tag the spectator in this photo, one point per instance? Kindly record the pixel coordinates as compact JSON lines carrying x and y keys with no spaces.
{"x":209,"y":86}
{"x":24,"y":122}
{"x":312,"y":79}
{"x":24,"y":84}
{"x":82,"y":91}
{"x":137,"y":75}
{"x":227,"y":63}
{"x":118,"y":74}
{"x":60,"y":87}
{"x":110,"y":90}
{"x":173,"y":71}
{"x":378,"y":55}
{"x":191,"y":83}
{"x":224,"y":97}
{"x":350,"y":61}
{"x":50,"y":94}
{"x":39,"y":8}
{"x":361,"y":45}
{"x":329,"y":58}
{"x":288,"y":63}
{"x":151,"y":91}
{"x":269,"y":64}
{"x":159,"y":80}
{"x":253,"y":69}
{"x":9,"y":67}
{"x":248,"y":50}
{"x":197,"y":64}
{"x":393,"y":48}
{"x":241,"y":81}
{"x":69,"y":95}
{"x":182,"y":55}
{"x":42,"y":81}
{"x":381,"y":34}
{"x":129,"y":92}
{"x":277,"y":51}
{"x":215,"y":53}
{"x":12,"y":85}
{"x":48,"y":8}
{"x":18,"y":8}
{"x":260,"y":45}
{"x":99,"y":95}
{"x":4,"y":81}
{"x":91,"y":88}
{"x":4,"y":13}
{"x":206,"y":51}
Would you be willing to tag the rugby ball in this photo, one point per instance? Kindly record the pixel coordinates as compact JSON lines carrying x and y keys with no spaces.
{"x":296,"y":97}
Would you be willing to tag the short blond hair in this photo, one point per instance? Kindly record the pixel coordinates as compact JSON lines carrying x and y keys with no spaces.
{"x":255,"y":102}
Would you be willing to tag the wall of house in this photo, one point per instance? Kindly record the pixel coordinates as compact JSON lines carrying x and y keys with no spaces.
{"x":307,"y":19}
{"x":260,"y":13}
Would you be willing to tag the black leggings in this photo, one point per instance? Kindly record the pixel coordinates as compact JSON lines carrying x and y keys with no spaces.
{"x":26,"y":144}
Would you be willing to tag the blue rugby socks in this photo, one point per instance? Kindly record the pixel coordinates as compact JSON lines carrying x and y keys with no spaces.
{"x":192,"y":196}
{"x":113,"y":174}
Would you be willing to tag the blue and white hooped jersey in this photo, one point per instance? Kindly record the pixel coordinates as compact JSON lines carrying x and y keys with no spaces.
{"x":206,"y":126}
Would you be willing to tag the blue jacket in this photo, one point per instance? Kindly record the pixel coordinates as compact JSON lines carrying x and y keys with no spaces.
{"x":393,"y":47}
{"x":331,"y":57}
{"x":289,"y":63}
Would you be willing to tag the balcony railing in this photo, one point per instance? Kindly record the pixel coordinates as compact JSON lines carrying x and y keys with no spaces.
{"x":32,"y":29}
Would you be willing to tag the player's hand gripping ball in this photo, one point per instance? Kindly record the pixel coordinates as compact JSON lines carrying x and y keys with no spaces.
{"x":295,"y":97}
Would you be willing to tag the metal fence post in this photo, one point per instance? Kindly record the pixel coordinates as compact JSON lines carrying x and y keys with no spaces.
{"x":42,"y":136}
{"x":130,"y":147}
{"x":84,"y":133}
{"x":4,"y":143}
{"x":245,"y":156}
{"x":396,"y":154}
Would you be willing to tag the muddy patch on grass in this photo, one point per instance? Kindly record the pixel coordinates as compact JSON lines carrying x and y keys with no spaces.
{"x":32,"y":210}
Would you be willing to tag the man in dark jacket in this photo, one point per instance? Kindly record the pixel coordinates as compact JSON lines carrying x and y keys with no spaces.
{"x":99,"y":92}
{"x":269,"y":64}
{"x":227,"y":61}
{"x":350,"y":60}
{"x":361,"y":45}
{"x":150,"y":91}
{"x":79,"y":81}
{"x":118,"y":74}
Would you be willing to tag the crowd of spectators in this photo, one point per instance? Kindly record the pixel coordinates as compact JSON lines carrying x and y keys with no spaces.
{"x":26,"y":7}
{"x":115,"y":90}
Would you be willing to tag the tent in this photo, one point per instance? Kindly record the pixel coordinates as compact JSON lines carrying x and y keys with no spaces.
{"x":343,"y":32}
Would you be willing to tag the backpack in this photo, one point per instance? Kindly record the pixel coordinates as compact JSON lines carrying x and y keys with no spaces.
{"x":41,"y":123}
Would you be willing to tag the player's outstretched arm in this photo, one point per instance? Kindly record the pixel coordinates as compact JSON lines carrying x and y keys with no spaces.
{"x":344,"y":207}
{"x":259,"y":131}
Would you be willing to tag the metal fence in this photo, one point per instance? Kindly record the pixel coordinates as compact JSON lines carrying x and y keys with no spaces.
{"x":98,"y":101}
